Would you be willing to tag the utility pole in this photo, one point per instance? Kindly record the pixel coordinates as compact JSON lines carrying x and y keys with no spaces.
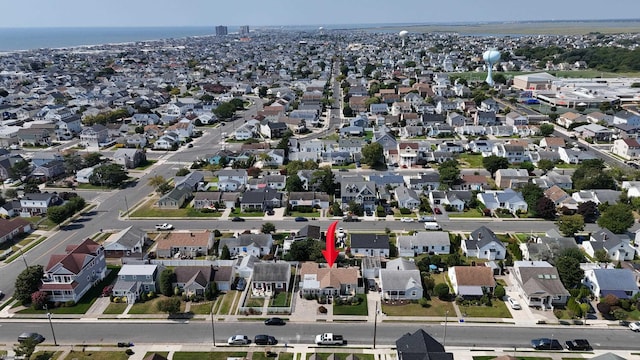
{"x":55,"y":342}
{"x":444,"y":339}
{"x":126,"y":205}
{"x":213,"y":327}
{"x":375,"y":325}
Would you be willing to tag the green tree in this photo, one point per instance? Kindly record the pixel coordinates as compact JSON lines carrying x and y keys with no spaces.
{"x":372,"y":154}
{"x":601,"y":255}
{"x":294,"y":183}
{"x":72,"y":163}
{"x":573,"y":253}
{"x":305,"y":250}
{"x":268,"y":228}
{"x":92,"y":159}
{"x":167,"y":278}
{"x":347,"y":111}
{"x":499,"y":292}
{"x":588,"y":210}
{"x":156,"y":181}
{"x":546,"y":129}
{"x":527,"y":165}
{"x":170,"y":305}
{"x":441,"y":290}
{"x":532,"y":193}
{"x":225,"y":254}
{"x":25,"y":348}
{"x":225,"y":110}
{"x":324,"y":179}
{"x":546,"y":164}
{"x":449,"y":173}
{"x":109,"y":175}
{"x":11,"y":193}
{"x":568,"y":225}
{"x":493,"y":163}
{"x":617,"y":218}
{"x":569,"y":271}
{"x":183,"y":172}
{"x":19,"y":169}
{"x":28,"y":282}
{"x":58,"y":214}
{"x":591,"y":174}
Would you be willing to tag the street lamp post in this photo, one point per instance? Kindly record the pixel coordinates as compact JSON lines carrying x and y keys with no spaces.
{"x":444,"y":338}
{"x":55,"y":342}
{"x":213,"y":327}
{"x":375,"y":325}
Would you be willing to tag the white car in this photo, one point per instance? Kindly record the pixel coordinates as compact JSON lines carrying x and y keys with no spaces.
{"x":238,"y":340}
{"x":164,"y":226}
{"x":341,"y":233}
{"x":515,"y":305}
{"x":406,"y":219}
{"x":635,"y":326}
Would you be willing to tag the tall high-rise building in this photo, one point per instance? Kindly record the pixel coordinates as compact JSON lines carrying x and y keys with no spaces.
{"x":244,"y":30}
{"x":221,"y":30}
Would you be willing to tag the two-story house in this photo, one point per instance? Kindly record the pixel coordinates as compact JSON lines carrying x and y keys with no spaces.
{"x":34,"y":204}
{"x":134,"y":279}
{"x":484,"y":244}
{"x":231,"y":179}
{"x":67,"y":277}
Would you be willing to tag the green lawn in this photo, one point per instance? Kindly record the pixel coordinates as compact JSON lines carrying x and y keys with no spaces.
{"x":182,"y":355}
{"x":115,"y":308}
{"x":436,"y":307}
{"x":498,"y":309}
{"x":148,"y":210}
{"x":473,"y":161}
{"x":294,"y":214}
{"x":97,"y":355}
{"x":282,"y":299}
{"x":41,"y":355}
{"x":470,"y":213}
{"x":360,"y":309}
{"x":227,"y":303}
{"x":150,"y":307}
{"x":254,"y":302}
{"x":201,"y":308}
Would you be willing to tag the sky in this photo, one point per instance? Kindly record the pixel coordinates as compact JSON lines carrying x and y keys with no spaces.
{"x":127,"y":13}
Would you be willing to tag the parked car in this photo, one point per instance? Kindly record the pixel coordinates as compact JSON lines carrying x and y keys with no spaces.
{"x":635,"y":326}
{"x":546,"y":344}
{"x":578,"y":345}
{"x":265,"y":340}
{"x":237,"y":219}
{"x":274,"y":321}
{"x":301,"y":218}
{"x":1,"y":294}
{"x":426,"y":219}
{"x":270,"y":212}
{"x":437,"y":211}
{"x":164,"y":226}
{"x":242,"y":283}
{"x":515,"y":305}
{"x":406,"y":220}
{"x":238,"y":340}
{"x":25,"y":336}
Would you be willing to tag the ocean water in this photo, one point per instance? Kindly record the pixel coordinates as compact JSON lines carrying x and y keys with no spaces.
{"x":14,"y":39}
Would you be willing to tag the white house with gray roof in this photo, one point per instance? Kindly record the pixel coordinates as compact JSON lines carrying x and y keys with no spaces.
{"x":270,"y":278}
{"x":401,"y":281}
{"x":248,"y":244}
{"x":406,"y":197}
{"x":484,"y":244}
{"x":424,"y":243}
{"x":616,"y":246}
{"x":619,"y":282}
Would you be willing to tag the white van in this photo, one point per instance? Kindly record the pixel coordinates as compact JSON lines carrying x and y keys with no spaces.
{"x":432,"y":225}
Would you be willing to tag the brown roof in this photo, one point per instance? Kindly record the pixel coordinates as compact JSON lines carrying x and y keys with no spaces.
{"x":8,"y":226}
{"x":555,"y":193}
{"x":554,"y":141}
{"x":411,"y":145}
{"x":632,"y":143}
{"x":330,"y":277}
{"x":474,"y":276}
{"x":76,"y":256}
{"x":474,"y":179}
{"x":184,"y":239}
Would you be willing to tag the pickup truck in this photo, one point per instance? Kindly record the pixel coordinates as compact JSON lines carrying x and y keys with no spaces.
{"x":329,"y":339}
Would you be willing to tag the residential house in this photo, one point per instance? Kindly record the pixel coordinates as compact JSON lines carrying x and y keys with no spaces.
{"x":401,"y":280}
{"x":387,"y":180}
{"x":515,"y":119}
{"x":407,"y":153}
{"x":420,"y":346}
{"x":594,"y":131}
{"x":184,"y":244}
{"x":538,"y":283}
{"x":360,"y":192}
{"x":134,"y":279}
{"x":83,"y":176}
{"x":176,"y":198}
{"x":597,"y":196}
{"x":472,"y":281}
{"x":67,"y":277}
{"x":560,"y":197}
{"x":507,"y":178}
{"x":34,"y":136}
{"x":10,"y":229}
{"x":429,"y":180}
{"x":169,"y":140}
{"x":192,"y":180}
{"x":369,"y":244}
{"x":553,"y":143}
{"x":503,"y":199}
{"x":262,"y":199}
{"x":480,"y":146}
{"x":193,"y":280}
{"x":257,"y":245}
{"x":424,"y":243}
{"x":51,"y":170}
{"x":618,"y":282}
{"x":312,"y":199}
{"x":126,"y":242}
{"x":632,"y":188}
{"x":407,"y":198}
{"x":231,"y":179}
{"x":207,"y":200}
{"x":129,"y":158}
{"x":484,"y":244}
{"x":270,"y":278}
{"x":474,"y":182}
{"x":554,"y":178}
{"x":334,"y":281}
{"x":515,"y":154}
{"x":575,"y":155}
{"x":273,"y":130}
{"x":616,"y":246}
{"x":34,"y":204}
{"x":547,"y":247}
{"x":626,"y":117}
{"x":628,"y":148}
{"x":94,"y":136}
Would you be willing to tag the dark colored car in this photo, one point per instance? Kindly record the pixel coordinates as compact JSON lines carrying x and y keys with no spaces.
{"x":237,"y":219}
{"x":265,"y":340}
{"x":300,"y":218}
{"x":437,"y":211}
{"x":35,"y":337}
{"x":270,"y":212}
{"x":274,"y":321}
{"x":546,"y":344}
{"x":242,"y":283}
{"x":578,"y":345}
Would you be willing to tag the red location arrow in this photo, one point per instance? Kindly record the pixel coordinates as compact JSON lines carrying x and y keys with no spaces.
{"x":330,"y":253}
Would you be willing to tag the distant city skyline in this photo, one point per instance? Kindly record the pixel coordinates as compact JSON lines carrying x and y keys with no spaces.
{"x":146,"y":13}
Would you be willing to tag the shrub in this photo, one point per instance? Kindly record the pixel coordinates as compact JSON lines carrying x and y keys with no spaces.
{"x":217,"y":233}
{"x":619,"y":314}
{"x":405,"y":211}
{"x":70,"y":303}
{"x":604,"y":308}
{"x":499,"y":292}
{"x":442,"y":291}
{"x":423,"y":302}
{"x":128,"y":352}
{"x":322,"y":310}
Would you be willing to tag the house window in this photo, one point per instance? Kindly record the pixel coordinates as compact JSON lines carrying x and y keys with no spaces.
{"x":413,"y":293}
